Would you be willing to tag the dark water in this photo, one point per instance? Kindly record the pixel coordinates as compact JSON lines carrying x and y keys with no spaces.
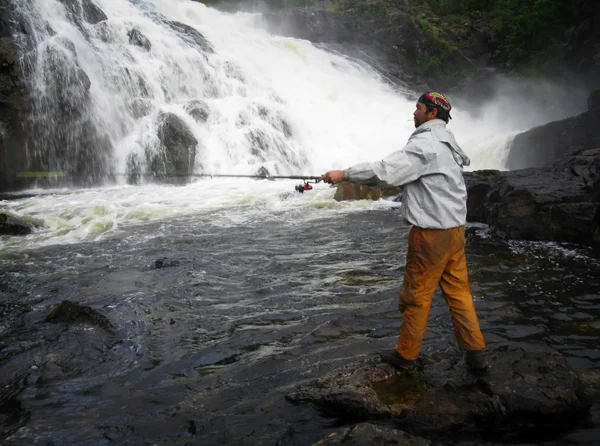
{"x":207,"y":346}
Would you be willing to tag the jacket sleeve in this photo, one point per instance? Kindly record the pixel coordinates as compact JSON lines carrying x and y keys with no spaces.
{"x":399,"y":168}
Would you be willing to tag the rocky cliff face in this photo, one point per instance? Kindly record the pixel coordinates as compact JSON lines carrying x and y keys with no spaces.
{"x":542,"y":145}
{"x":13,"y":101}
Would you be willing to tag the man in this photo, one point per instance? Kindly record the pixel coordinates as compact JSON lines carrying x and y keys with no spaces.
{"x":435,"y":203}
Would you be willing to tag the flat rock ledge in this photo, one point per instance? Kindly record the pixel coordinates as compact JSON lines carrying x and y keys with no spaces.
{"x":523,"y":395}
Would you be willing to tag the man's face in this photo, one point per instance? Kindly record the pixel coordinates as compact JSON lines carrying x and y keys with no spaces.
{"x":421,"y":114}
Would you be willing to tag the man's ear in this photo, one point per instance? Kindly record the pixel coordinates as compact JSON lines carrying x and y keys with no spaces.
{"x":434,"y":112}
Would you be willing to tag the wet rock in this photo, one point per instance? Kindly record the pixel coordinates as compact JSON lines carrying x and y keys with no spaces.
{"x":593,"y":101}
{"x":542,"y":145}
{"x":75,"y":313}
{"x":13,"y":415}
{"x":352,"y":191}
{"x":10,"y":225}
{"x":138,"y":39}
{"x":478,"y":185}
{"x":92,"y":13}
{"x":559,"y":203}
{"x":523,"y":394}
{"x":198,"y":110}
{"x":84,"y":9}
{"x":67,"y":83}
{"x":190,"y":35}
{"x":372,"y":434}
{"x":176,"y":156}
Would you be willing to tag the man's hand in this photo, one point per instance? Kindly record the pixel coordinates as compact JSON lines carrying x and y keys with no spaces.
{"x":333,"y":176}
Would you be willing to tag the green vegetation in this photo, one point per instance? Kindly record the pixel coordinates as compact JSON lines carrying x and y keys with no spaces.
{"x":531,"y":33}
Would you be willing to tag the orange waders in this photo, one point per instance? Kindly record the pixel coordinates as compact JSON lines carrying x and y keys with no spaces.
{"x":436,"y":257}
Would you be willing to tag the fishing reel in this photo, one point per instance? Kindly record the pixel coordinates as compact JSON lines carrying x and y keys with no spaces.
{"x":306,"y":186}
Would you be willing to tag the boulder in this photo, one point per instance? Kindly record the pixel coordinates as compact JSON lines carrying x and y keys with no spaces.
{"x":522,"y":394}
{"x":175,"y":159}
{"x":190,"y":35}
{"x":372,"y":434}
{"x":542,"y":145}
{"x":11,"y":225}
{"x":138,"y":39}
{"x":351,"y":191}
{"x":560,"y":202}
{"x":74,"y":313}
{"x":92,"y":13}
{"x":593,"y":101}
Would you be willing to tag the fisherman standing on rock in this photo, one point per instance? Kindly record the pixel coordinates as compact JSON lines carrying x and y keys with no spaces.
{"x":430,"y":168}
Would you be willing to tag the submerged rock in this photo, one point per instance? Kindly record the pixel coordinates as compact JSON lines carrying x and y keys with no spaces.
{"x":165,"y":262}
{"x":84,"y":9}
{"x":73,"y":312}
{"x":133,"y":169}
{"x":263,"y":172}
{"x":198,"y":110}
{"x":371,"y":434}
{"x":10,"y":225}
{"x":523,"y":394}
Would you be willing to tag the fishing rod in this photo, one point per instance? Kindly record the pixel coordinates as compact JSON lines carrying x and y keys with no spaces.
{"x":306,"y":179}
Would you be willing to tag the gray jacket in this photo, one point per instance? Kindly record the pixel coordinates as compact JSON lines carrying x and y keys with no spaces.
{"x":429,"y":167}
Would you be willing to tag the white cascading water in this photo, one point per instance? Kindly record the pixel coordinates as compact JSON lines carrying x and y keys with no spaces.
{"x":313,"y":111}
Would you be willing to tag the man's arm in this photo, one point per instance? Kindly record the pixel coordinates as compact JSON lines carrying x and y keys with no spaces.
{"x":397,"y":169}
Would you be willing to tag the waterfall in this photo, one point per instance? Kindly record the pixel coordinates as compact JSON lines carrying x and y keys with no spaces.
{"x":172,"y":86}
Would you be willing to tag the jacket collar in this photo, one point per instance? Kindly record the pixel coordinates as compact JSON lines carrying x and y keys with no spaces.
{"x":442,"y":134}
{"x":427,"y":126}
